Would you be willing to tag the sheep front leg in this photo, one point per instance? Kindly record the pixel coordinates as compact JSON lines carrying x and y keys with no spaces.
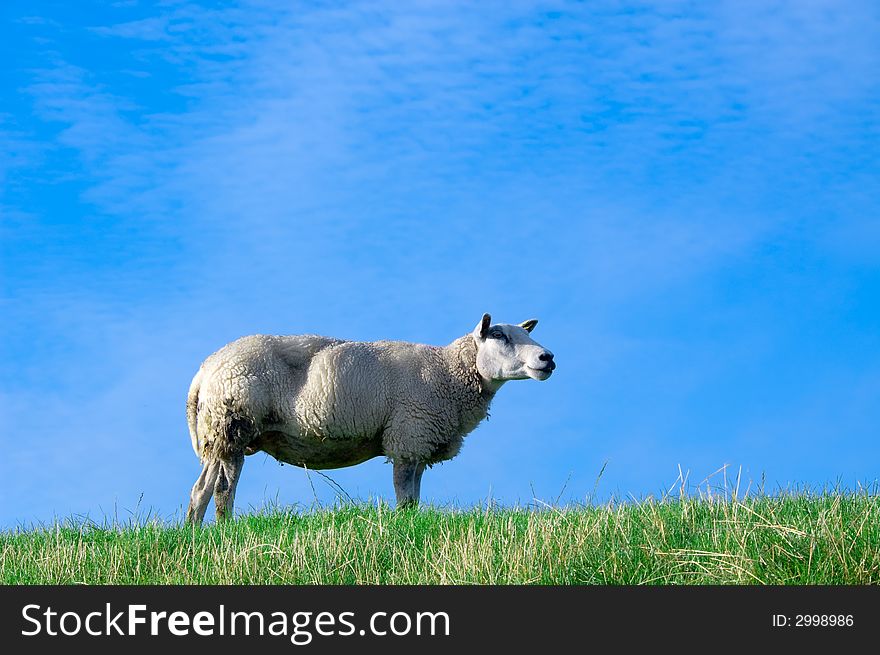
{"x":227,"y":481}
{"x":407,"y":482}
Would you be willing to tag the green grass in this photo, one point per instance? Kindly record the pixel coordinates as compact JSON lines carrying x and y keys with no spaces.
{"x":828,"y":538}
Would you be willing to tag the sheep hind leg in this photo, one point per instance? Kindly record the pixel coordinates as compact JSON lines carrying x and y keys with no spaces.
{"x":227,"y":481}
{"x":202,"y":491}
{"x":407,"y":483}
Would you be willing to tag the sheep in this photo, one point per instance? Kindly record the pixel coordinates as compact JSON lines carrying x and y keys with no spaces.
{"x":323,"y":403}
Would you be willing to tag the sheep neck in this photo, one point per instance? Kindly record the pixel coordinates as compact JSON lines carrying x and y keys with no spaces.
{"x":462,"y":356}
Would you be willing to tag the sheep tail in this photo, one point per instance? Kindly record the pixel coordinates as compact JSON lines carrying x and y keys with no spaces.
{"x":192,"y":415}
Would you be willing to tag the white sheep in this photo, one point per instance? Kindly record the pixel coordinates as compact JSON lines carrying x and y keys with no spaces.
{"x":324,"y":403}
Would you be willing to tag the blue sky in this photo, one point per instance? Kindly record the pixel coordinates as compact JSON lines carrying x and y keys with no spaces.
{"x":685,"y":194}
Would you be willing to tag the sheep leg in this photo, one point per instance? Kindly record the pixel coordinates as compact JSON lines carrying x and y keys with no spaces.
{"x":227,"y":481}
{"x":407,"y":482}
{"x":202,"y":491}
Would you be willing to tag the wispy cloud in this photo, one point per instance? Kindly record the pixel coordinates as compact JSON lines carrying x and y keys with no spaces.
{"x":340,"y":101}
{"x":195,"y":173}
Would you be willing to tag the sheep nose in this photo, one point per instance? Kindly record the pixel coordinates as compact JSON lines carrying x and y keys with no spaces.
{"x":546,"y":356}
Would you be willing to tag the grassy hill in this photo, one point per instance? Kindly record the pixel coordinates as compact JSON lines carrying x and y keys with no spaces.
{"x":829,"y":538}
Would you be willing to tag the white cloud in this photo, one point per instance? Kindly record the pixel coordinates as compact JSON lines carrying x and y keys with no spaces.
{"x":354,"y":170}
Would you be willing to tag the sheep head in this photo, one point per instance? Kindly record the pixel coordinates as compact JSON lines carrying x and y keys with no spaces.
{"x":508,"y":352}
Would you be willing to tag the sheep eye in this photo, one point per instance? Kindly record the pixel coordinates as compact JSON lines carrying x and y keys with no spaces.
{"x":498,"y":335}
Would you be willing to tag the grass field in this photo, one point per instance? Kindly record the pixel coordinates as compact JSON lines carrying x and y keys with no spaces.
{"x":828,"y":538}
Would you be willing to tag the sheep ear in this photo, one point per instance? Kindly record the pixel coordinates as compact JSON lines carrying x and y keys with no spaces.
{"x":483,"y":327}
{"x":529,"y":325}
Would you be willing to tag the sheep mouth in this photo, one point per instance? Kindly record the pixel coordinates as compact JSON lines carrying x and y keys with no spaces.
{"x":541,"y":373}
